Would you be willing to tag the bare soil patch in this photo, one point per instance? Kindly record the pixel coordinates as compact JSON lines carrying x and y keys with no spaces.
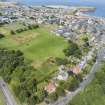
{"x":25,"y":38}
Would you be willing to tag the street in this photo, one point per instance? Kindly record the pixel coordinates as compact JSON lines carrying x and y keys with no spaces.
{"x":8,"y":96}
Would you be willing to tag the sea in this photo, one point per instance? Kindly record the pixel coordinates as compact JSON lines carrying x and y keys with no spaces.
{"x":99,"y":4}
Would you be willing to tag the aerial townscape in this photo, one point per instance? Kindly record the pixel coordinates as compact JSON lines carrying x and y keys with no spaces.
{"x":51,"y":55}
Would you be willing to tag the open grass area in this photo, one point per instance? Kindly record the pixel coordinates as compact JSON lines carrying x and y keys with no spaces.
{"x":2,"y":101}
{"x":38,"y":46}
{"x":43,"y":46}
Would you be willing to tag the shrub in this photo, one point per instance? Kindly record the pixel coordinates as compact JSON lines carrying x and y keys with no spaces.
{"x":1,"y":36}
{"x":73,"y":50}
{"x":53,"y":97}
{"x":61,"y":61}
{"x":60,"y":91}
{"x":12,"y":32}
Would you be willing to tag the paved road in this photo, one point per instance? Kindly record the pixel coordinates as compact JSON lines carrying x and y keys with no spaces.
{"x":8,"y":96}
{"x":65,"y":100}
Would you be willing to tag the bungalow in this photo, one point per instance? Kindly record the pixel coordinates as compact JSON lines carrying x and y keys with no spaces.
{"x":51,"y":87}
{"x":66,"y":34}
{"x":4,"y":19}
{"x":76,"y":69}
{"x":90,"y":21}
{"x":8,"y":19}
{"x":63,"y":75}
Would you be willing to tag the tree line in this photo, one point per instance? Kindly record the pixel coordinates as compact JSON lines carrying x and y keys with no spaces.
{"x":17,"y":72}
{"x":20,"y":30}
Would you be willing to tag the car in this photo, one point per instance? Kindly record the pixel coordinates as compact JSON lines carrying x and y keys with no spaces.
{"x":3,"y":85}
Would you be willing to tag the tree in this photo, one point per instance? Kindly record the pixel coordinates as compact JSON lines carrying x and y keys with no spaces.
{"x":16,"y":71}
{"x":53,"y":97}
{"x":86,"y":43}
{"x":61,"y":61}
{"x":74,"y":84}
{"x":41,"y":94}
{"x":1,"y":36}
{"x":30,"y":27}
{"x":79,"y":77}
{"x":33,"y":100}
{"x":35,"y":26}
{"x":73,"y":50}
{"x":1,"y":14}
{"x":85,"y":39}
{"x":12,"y":32}
{"x":60,"y":91}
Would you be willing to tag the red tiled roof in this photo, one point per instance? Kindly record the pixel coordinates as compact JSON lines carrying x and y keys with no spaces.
{"x":51,"y":87}
{"x":76,"y":69}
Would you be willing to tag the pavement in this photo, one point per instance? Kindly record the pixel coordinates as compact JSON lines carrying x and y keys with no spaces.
{"x":8,"y":96}
{"x":65,"y":100}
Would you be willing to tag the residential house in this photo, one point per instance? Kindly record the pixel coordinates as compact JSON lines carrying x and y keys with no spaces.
{"x":51,"y":87}
{"x":62,"y":75}
{"x":76,"y":69}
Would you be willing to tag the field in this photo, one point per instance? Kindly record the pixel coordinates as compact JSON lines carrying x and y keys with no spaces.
{"x":38,"y":45}
{"x":2,"y":102}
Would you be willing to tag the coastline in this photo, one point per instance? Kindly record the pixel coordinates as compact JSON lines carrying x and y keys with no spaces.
{"x":81,"y":8}
{"x":86,"y":9}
